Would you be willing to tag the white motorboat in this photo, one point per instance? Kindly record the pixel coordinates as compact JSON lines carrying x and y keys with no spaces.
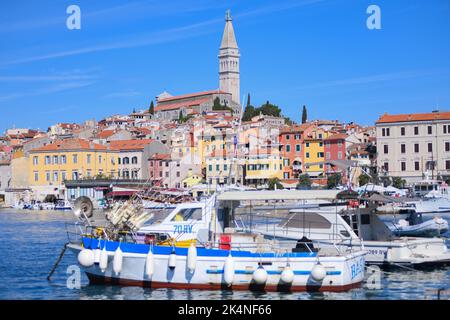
{"x":350,"y":228}
{"x":193,"y":247}
{"x":63,"y":205}
{"x":414,"y":226}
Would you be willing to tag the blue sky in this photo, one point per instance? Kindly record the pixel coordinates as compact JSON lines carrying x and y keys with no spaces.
{"x":313,"y":52}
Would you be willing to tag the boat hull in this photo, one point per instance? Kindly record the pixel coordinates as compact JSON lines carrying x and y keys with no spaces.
{"x":342,"y":272}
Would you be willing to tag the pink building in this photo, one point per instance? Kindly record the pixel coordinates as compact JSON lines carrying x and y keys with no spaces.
{"x":335,"y":151}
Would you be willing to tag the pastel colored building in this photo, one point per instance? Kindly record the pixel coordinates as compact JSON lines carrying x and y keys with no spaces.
{"x":414,"y":146}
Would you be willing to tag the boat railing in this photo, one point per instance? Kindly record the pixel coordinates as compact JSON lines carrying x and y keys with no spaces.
{"x":274,"y":227}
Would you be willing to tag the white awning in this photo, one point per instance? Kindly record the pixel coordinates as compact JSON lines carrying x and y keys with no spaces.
{"x":278,"y":195}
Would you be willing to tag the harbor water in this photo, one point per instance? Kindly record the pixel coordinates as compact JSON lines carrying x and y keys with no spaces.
{"x":30,"y":242}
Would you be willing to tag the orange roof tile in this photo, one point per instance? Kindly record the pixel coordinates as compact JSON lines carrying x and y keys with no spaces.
{"x":388,"y":118}
{"x":121,"y":145}
{"x":178,"y":105}
{"x":191,"y":95}
{"x":337,"y":136}
{"x":70,"y":144}
{"x":105,"y":134}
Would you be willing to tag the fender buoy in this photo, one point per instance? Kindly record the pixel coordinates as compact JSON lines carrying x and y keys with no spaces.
{"x":228,"y":270}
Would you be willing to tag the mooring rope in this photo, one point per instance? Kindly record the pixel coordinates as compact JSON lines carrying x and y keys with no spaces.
{"x":57,"y":261}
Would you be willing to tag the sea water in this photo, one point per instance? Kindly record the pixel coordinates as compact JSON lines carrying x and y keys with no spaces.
{"x":31,"y":241}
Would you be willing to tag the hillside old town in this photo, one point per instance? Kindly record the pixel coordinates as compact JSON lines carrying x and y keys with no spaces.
{"x":206,"y":140}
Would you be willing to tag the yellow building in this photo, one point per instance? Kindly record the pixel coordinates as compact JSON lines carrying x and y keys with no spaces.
{"x":70,"y":159}
{"x":263,"y":165}
{"x":314,"y":153}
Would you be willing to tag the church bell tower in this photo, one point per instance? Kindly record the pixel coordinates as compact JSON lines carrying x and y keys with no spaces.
{"x":229,"y":76}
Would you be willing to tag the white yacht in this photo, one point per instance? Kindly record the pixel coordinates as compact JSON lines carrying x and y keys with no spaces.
{"x":350,"y":228}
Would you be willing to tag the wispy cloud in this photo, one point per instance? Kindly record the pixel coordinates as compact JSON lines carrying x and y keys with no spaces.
{"x":383,"y":77}
{"x":57,"y":110}
{"x":122,"y":94}
{"x":162,"y":36}
{"x":46,"y":78}
{"x":52,"y":89}
{"x":120,"y":13}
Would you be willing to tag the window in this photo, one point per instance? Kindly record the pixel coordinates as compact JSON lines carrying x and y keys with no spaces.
{"x":307,"y":154}
{"x":430,"y":147}
{"x":47,"y":176}
{"x":402,"y":131}
{"x":447,"y":146}
{"x":320,"y":144}
{"x":386,"y":166}
{"x":225,"y":167}
{"x":416,"y":147}
{"x":447,"y":164}
{"x":119,"y":160}
{"x":167,"y":174}
{"x":47,"y":159}
{"x":328,"y":155}
{"x":297,"y":137}
{"x":88,"y":158}
{"x":340,"y":155}
{"x":178,"y":174}
{"x":403,"y":166}
{"x":288,"y":148}
{"x":99,"y":159}
{"x":217,"y":167}
{"x":340,"y":143}
{"x":89,"y":173}
{"x":74,"y":175}
{"x":319,"y":154}
{"x":321,"y":166}
{"x":63,"y":160}
{"x":446,"y":128}
{"x":36,"y":176}
{"x":297,"y":148}
{"x":35,"y":161}
{"x":55,"y":159}
{"x":416,"y":165}
{"x":188,"y":214}
{"x":388,"y":133}
{"x":288,"y":137}
{"x":134,"y":160}
{"x":430,"y":130}
{"x":210,"y":167}
{"x":416,"y":131}
{"x":126,"y":160}
{"x":320,"y":136}
{"x":307,"y":144}
{"x":386,"y":149}
{"x":383,"y":132}
{"x":403,"y":148}
{"x":74,"y":158}
{"x":63,"y":175}
{"x":55,"y":176}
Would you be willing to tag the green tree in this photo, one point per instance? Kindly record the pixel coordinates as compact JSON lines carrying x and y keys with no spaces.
{"x":304,"y":181}
{"x":363,"y":179}
{"x":334,"y":180}
{"x":304,"y":114}
{"x":151,"y":110}
{"x":274,"y":182}
{"x":398,"y":182}
{"x":249,"y":113}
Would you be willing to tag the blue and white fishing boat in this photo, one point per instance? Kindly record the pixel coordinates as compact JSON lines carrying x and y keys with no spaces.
{"x":195,"y":248}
